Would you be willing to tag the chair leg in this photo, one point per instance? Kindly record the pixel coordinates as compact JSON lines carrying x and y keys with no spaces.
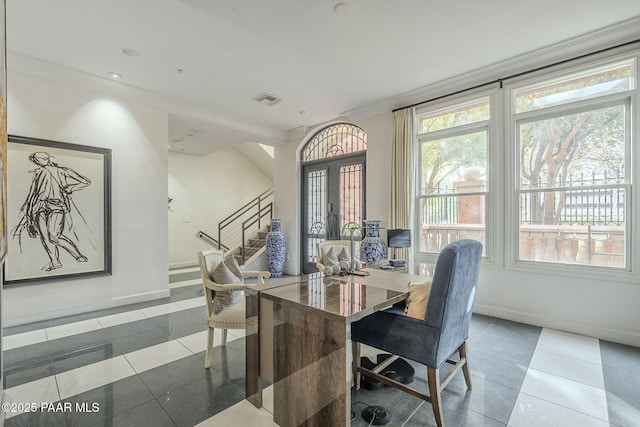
{"x":433,"y":376}
{"x":465,"y":369}
{"x":224,"y":338}
{"x":355,"y":346}
{"x":207,"y":357}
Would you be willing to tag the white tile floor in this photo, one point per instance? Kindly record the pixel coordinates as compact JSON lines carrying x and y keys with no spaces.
{"x":245,"y":414}
{"x":564,"y":384}
{"x":74,"y":328}
{"x":79,"y":380}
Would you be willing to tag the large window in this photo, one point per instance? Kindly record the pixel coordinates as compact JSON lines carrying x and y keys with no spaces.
{"x":452,"y":164}
{"x":572,"y":157}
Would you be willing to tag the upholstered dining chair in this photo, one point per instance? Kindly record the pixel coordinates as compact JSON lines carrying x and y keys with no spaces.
{"x":337,"y":245}
{"x":223,"y":291}
{"x":434,"y":340}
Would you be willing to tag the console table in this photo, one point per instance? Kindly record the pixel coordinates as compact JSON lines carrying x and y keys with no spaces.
{"x":299,"y":338}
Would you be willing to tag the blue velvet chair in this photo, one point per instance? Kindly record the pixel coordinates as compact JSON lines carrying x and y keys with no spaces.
{"x":431,"y":341}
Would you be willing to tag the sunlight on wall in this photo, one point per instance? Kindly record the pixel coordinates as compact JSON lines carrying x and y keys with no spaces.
{"x":268,"y":148}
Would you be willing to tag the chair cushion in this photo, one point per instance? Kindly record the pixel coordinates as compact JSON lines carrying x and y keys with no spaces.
{"x":417,"y":302}
{"x":344,"y":260}
{"x":224,"y":274}
{"x":233,"y":265}
{"x":330,"y":257}
{"x":344,"y":256}
{"x":232,"y":316}
{"x":222,"y":300}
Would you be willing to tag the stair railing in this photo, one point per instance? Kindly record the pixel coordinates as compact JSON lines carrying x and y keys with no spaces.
{"x":250,"y":222}
{"x":233,"y":228}
{"x":201,"y":234}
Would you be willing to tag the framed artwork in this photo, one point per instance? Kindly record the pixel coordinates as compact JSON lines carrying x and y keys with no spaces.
{"x":3,"y":136}
{"x":58,"y":211}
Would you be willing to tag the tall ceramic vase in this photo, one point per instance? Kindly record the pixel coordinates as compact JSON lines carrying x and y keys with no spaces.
{"x":372,"y":248}
{"x":275,"y":248}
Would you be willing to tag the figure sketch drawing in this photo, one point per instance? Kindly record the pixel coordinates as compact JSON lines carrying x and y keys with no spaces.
{"x":47,"y":212}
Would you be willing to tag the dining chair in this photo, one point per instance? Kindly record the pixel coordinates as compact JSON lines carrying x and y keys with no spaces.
{"x":224,"y":292}
{"x":434,"y":338}
{"x":329,"y":252}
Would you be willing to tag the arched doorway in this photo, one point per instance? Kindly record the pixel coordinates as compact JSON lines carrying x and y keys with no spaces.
{"x":333,"y":187}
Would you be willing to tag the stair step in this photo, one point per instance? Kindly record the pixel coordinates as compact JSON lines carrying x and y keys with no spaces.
{"x":257,"y":242}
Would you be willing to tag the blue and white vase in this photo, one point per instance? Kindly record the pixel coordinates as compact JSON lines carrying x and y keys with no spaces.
{"x":372,"y":248}
{"x":275,"y":248}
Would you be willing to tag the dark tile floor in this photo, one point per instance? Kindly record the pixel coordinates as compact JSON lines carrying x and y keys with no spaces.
{"x":182,"y":393}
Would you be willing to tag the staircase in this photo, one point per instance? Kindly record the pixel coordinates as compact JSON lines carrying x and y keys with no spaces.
{"x":254,"y":247}
{"x":243,"y":233}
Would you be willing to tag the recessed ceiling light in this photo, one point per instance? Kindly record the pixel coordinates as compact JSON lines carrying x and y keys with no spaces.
{"x":342,"y":9}
{"x":128,"y":52}
{"x":114,"y":75}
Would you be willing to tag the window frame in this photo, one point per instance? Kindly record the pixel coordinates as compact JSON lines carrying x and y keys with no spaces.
{"x":512,"y":123}
{"x":492,"y":203}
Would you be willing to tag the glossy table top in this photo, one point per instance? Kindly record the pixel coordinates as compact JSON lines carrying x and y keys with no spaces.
{"x":351,"y":297}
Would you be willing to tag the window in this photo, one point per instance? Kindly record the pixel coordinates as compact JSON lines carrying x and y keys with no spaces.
{"x":572,"y":155}
{"x":452,"y":165}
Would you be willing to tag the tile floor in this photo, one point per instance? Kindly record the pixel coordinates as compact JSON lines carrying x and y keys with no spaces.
{"x":142,"y":365}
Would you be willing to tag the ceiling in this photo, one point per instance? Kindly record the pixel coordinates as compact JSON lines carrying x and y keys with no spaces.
{"x":209,"y":59}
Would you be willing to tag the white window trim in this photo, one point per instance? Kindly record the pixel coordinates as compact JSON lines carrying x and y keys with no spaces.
{"x":493,"y":200}
{"x":512,"y":226}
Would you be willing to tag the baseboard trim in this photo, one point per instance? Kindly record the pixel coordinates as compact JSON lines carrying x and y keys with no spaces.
{"x":622,"y":337}
{"x":71,"y":311}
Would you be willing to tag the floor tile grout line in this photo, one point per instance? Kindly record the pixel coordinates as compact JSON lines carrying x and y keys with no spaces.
{"x":412,"y":414}
{"x":562,"y":406}
{"x":529,"y":368}
{"x":184,"y":270}
{"x":103,"y":327}
{"x":105,"y":315}
{"x":571,"y":357}
{"x":571,"y":379}
{"x":55,"y":378}
{"x":185,"y":283}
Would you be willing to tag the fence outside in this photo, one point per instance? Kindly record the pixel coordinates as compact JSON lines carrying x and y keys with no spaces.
{"x":587,"y":226}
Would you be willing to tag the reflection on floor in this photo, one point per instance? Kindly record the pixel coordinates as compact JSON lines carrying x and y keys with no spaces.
{"x":142,"y":365}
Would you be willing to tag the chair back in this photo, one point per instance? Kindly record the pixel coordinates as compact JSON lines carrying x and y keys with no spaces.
{"x":452,"y":295}
{"x":209,"y":260}
{"x":337,"y":245}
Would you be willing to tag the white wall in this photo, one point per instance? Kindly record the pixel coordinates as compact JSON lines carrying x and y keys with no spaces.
{"x":137,"y":135}
{"x":205,"y":190}
{"x":607,"y":310}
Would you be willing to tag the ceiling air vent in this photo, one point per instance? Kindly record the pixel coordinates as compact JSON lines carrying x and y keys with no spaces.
{"x":266,"y":99}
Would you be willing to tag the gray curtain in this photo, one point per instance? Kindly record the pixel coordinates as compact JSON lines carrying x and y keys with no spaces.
{"x":402,"y":178}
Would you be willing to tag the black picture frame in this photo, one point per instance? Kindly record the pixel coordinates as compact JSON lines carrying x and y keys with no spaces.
{"x":3,"y":135}
{"x":58,"y":211}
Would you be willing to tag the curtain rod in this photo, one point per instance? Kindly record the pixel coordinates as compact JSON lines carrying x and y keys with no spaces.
{"x":533,"y":70}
